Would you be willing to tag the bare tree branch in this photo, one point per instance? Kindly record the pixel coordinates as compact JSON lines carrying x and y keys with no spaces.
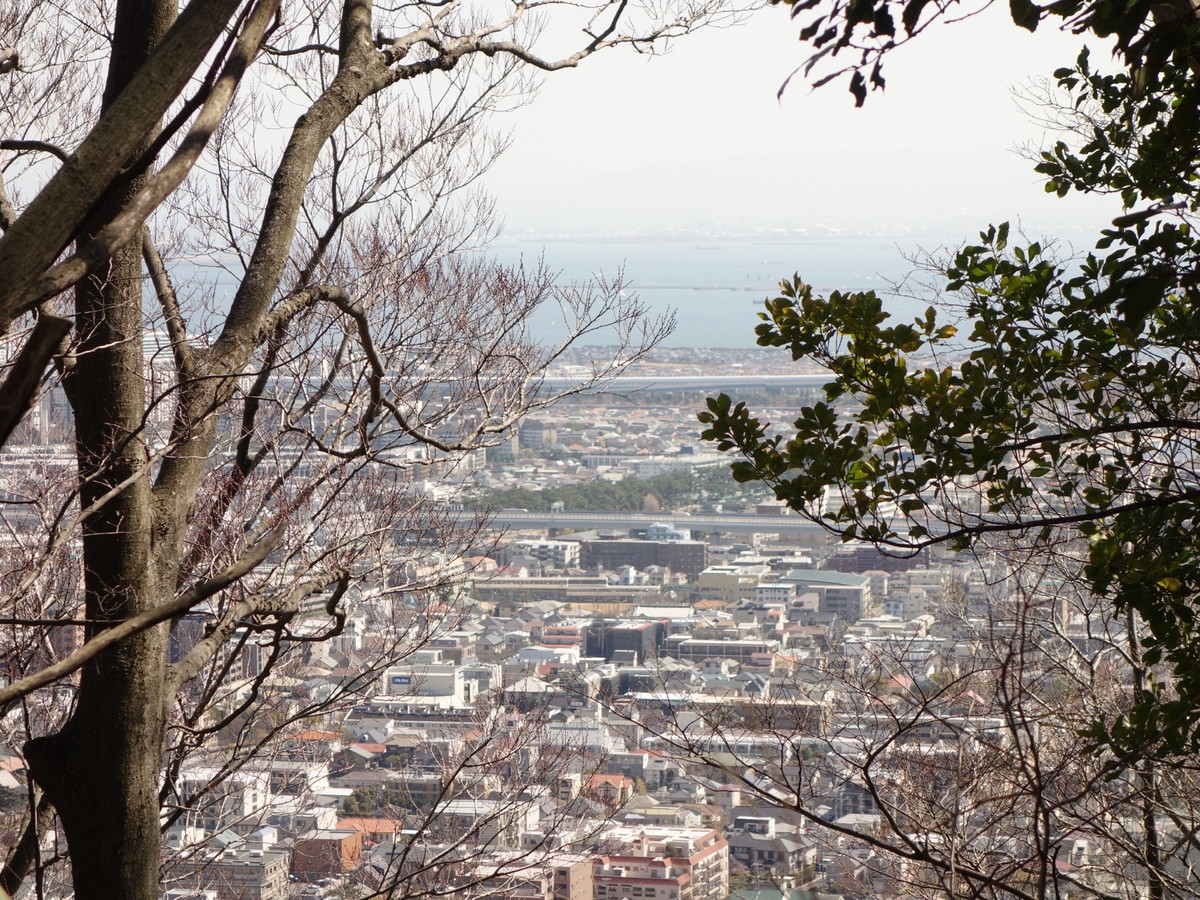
{"x":40,"y":146}
{"x":89,"y":257}
{"x":24,"y":854}
{"x":25,"y":375}
{"x":51,"y":220}
{"x":166,"y":611}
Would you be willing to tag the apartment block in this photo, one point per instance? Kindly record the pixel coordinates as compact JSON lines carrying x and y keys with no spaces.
{"x":242,"y":875}
{"x":689,"y":557}
{"x":662,"y":863}
{"x":842,"y":595}
{"x":556,"y":554}
{"x":728,"y":584}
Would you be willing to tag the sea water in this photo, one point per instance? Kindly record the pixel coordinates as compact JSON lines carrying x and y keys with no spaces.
{"x":715,"y":288}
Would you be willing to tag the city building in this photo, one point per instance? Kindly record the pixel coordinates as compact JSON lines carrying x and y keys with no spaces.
{"x":661,"y":863}
{"x":240,"y":874}
{"x":689,"y":557}
{"x":559,"y":876}
{"x":859,"y":558}
{"x":327,"y":853}
{"x":728,"y":583}
{"x":842,"y":595}
{"x":763,"y":846}
{"x":631,"y":642}
{"x":667,"y":531}
{"x":554,"y":554}
{"x":743,"y":651}
{"x":775,"y":592}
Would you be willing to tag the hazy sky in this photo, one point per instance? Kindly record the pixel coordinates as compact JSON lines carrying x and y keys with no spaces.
{"x":698,"y":139}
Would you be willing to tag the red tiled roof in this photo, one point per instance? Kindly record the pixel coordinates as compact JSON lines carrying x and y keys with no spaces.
{"x":369,"y":825}
{"x":312,"y":735}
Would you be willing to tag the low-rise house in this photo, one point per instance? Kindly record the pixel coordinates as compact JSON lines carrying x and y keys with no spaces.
{"x":764,"y":845}
{"x":374,"y":829}
{"x":612,"y":790}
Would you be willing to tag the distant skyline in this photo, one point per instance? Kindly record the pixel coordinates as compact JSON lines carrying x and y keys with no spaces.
{"x":696,"y":140}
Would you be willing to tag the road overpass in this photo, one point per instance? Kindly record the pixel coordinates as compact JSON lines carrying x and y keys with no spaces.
{"x":710,"y":383}
{"x":724,"y":523}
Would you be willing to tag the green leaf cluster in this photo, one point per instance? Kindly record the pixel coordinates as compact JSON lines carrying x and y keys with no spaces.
{"x":1153,"y":39}
{"x":1064,"y":397}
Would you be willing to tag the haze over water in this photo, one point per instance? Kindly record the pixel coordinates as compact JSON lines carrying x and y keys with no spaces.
{"x":717,"y":286}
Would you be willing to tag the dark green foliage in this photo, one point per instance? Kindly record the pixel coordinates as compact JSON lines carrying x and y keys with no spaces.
{"x":12,"y":799}
{"x":369,"y":801}
{"x":1067,"y":407}
{"x":1150,"y":36}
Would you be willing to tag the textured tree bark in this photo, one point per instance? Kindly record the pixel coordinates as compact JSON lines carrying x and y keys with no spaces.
{"x":86,"y":178}
{"x":101,"y":771}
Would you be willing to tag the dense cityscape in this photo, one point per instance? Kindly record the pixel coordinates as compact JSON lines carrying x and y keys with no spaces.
{"x":665,"y":706}
{"x":382,"y":519}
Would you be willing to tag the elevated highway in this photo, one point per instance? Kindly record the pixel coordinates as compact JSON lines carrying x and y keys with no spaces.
{"x":709,"y":383}
{"x":724,"y":523}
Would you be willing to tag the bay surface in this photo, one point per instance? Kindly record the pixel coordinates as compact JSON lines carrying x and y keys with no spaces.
{"x":716,"y":287}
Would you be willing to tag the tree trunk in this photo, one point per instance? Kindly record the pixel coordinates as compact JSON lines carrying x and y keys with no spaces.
{"x":101,"y":771}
